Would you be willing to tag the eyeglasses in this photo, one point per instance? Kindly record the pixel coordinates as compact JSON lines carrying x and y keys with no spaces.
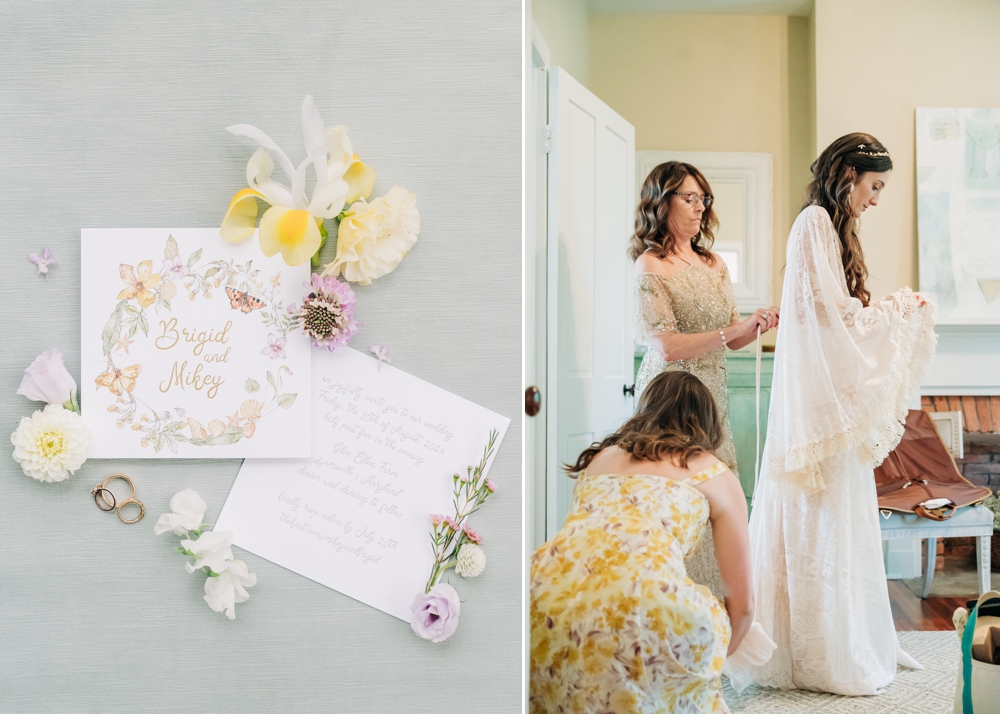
{"x":693,"y":198}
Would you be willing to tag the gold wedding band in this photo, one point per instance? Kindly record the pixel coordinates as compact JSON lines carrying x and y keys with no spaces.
{"x":142,"y":510}
{"x":101,"y":493}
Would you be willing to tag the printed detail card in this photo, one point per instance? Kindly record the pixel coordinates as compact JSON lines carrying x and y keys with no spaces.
{"x":354,"y":517}
{"x":188,"y":348}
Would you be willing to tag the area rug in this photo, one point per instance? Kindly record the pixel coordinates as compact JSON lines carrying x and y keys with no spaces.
{"x":927,"y":691}
{"x":952,"y":582}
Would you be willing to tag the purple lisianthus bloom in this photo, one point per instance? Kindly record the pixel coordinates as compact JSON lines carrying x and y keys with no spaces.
{"x":327,"y":313}
{"x":435,"y":614}
{"x":47,"y":380}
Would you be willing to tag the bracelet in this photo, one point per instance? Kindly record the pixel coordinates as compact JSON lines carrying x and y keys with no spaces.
{"x":723,"y":336}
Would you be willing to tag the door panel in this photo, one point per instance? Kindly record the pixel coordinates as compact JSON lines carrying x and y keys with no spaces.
{"x":591,"y":204}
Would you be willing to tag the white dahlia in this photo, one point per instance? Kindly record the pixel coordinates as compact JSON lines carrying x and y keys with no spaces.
{"x":51,"y":444}
{"x":471,"y":560}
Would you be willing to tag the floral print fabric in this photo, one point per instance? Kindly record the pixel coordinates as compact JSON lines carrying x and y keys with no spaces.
{"x":616,"y":624}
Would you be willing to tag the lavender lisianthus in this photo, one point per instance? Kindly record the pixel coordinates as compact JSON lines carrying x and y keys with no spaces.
{"x":47,"y":380}
{"x":435,"y":614}
{"x":327,"y":313}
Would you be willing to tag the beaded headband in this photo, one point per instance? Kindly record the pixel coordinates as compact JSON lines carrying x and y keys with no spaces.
{"x":861,"y":150}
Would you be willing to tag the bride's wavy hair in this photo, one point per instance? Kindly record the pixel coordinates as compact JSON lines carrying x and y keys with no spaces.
{"x":654,"y":207}
{"x":677,"y":417}
{"x":834,"y":174}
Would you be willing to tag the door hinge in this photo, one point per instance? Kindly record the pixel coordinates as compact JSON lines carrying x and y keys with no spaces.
{"x":548,"y":139}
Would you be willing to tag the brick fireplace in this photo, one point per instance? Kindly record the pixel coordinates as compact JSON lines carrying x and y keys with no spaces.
{"x":981,"y":463}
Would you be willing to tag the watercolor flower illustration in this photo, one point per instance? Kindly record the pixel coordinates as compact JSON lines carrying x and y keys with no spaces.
{"x":42,"y":262}
{"x":293,"y":225}
{"x":139,"y":285}
{"x":275,"y":346}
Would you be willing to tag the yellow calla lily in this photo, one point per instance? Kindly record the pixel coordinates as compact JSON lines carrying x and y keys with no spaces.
{"x":293,"y":224}
{"x":292,"y":232}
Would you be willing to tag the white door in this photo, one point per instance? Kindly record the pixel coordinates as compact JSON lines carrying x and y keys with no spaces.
{"x":591,"y":205}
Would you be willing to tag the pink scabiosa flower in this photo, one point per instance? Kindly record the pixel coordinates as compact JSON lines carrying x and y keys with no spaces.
{"x":472,"y":535}
{"x":327,"y":313}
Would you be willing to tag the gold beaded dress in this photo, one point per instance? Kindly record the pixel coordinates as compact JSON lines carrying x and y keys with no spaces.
{"x":695,"y":299}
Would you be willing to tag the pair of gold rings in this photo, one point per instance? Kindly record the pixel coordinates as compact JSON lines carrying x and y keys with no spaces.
{"x":102,"y":493}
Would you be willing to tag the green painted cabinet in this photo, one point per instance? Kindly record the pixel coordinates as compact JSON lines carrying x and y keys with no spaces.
{"x":742,"y":381}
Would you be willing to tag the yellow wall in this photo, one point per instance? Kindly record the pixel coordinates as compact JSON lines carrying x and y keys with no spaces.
{"x":563,"y":24}
{"x":714,"y":83}
{"x":875,"y":63}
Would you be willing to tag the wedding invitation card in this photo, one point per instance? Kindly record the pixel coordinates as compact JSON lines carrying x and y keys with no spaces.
{"x":355,"y":516}
{"x":188,"y":348}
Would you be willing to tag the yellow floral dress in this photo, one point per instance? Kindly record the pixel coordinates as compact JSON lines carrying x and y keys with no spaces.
{"x":616,"y":624}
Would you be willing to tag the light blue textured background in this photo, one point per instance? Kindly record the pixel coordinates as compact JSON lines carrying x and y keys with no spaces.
{"x":112,"y":115}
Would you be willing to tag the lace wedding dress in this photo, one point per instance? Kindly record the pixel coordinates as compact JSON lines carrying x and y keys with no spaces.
{"x":843,"y":378}
{"x":695,"y":299}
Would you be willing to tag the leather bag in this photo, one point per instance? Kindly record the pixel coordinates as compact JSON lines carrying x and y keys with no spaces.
{"x":920,"y":469}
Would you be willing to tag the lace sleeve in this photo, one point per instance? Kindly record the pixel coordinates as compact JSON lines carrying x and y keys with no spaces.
{"x":844,"y":373}
{"x":654,"y":314}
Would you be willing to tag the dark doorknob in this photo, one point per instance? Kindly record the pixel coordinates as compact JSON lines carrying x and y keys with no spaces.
{"x":532,"y":401}
{"x":628,"y":391}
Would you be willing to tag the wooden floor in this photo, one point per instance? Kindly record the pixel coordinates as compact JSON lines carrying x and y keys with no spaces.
{"x":909,"y":612}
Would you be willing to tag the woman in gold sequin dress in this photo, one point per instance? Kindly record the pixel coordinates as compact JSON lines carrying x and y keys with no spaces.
{"x":616,"y":624}
{"x":685,"y":307}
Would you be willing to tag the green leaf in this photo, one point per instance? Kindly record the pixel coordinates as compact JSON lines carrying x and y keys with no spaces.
{"x":131,"y":330}
{"x":286,"y":400}
{"x":159,"y":443}
{"x":166,"y":304}
{"x":172,"y":444}
{"x":144,"y":325}
{"x":195,"y":257}
{"x":170,"y":252}
{"x":113,"y":328}
{"x":270,"y":380}
{"x":251,"y":386}
{"x":212,"y":271}
{"x":131,"y":310}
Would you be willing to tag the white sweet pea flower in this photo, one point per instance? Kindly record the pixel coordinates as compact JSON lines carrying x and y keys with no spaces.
{"x":229,"y":587}
{"x":293,"y":225}
{"x":211,"y":550}
{"x":187,"y":514}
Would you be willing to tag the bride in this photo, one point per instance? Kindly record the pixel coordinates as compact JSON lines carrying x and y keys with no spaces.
{"x":844,"y":371}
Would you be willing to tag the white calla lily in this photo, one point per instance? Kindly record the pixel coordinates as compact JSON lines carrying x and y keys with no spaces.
{"x":293,"y":225}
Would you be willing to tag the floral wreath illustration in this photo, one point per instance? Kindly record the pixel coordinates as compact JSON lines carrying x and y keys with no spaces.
{"x":247,"y":292}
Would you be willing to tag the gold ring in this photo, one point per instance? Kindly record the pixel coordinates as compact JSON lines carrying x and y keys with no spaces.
{"x":99,"y":489}
{"x":104,"y":487}
{"x":142,"y":510}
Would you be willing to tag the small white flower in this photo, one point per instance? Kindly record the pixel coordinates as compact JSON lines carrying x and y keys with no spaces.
{"x":51,"y":444}
{"x":471,"y":560}
{"x":188,"y":513}
{"x":223,"y":592}
{"x":373,"y":237}
{"x":211,"y":550}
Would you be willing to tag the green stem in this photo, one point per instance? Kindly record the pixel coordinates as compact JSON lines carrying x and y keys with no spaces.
{"x":323,"y":235}
{"x":73,"y":404}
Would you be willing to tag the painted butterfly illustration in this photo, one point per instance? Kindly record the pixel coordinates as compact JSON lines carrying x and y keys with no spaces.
{"x":117,"y":379}
{"x":243,"y":301}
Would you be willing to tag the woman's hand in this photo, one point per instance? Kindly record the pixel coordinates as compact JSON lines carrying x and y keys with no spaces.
{"x":766,"y":318}
{"x":921,"y":300}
